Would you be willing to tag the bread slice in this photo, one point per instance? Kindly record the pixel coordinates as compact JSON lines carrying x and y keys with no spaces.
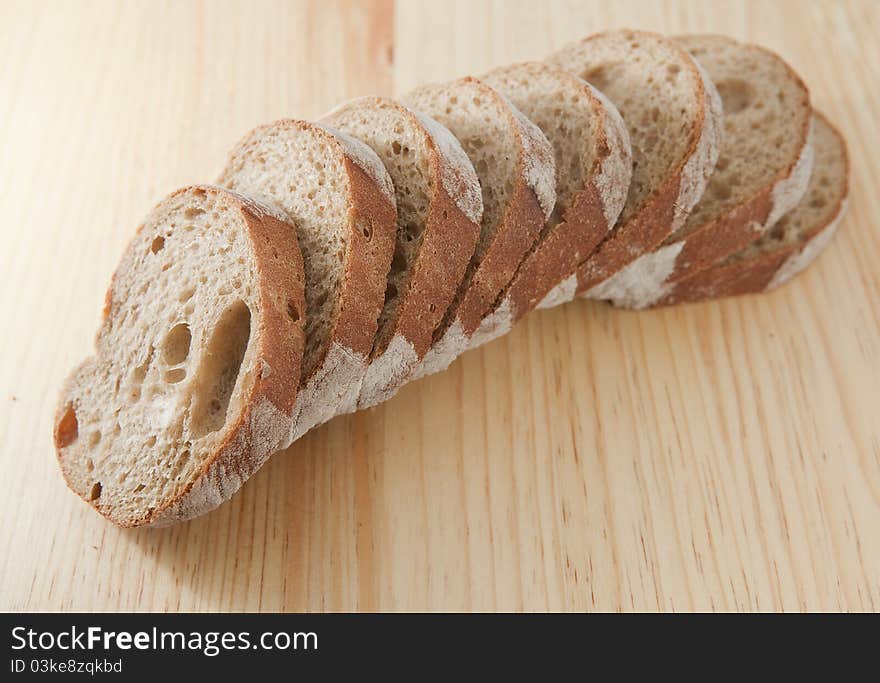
{"x":339,"y":195}
{"x":196,"y":363}
{"x":673,"y":114}
{"x":439,"y":209}
{"x":593,"y":170}
{"x":762,"y":171}
{"x":793,"y":242}
{"x":515,"y":165}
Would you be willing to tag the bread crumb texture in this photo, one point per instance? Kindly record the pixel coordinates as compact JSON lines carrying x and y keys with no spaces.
{"x":177,"y":357}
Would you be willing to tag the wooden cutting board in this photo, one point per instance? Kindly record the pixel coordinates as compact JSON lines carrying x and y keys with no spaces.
{"x":719,"y":456}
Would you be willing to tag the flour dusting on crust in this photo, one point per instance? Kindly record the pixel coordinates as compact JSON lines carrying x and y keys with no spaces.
{"x":258,"y":207}
{"x":266,"y":432}
{"x":364,"y":157}
{"x":561,"y":293}
{"x":795,"y":263}
{"x":327,"y":389}
{"x":387,"y":372}
{"x":456,"y":171}
{"x":450,"y":346}
{"x":642,"y":282}
{"x":698,"y":169}
{"x":498,"y":323}
{"x":789,"y":191}
{"x":539,"y":163}
{"x":612,"y":180}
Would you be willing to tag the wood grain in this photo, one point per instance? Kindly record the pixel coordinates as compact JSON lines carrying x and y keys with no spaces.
{"x":722,"y":456}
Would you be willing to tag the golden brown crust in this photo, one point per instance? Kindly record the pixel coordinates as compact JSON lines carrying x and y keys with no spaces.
{"x":640,"y":234}
{"x":742,"y":277}
{"x":281,"y":304}
{"x":372,"y":234}
{"x":520,"y":228}
{"x":531,"y":202}
{"x":561,"y":250}
{"x":725,"y":235}
{"x":755,"y":274}
{"x":282,"y":300}
{"x":654,"y":220}
{"x":741,"y":226}
{"x":447,"y":246}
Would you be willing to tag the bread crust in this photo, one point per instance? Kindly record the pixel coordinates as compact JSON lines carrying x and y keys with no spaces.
{"x":448,"y":244}
{"x":667,"y":208}
{"x":334,"y":386}
{"x":522,"y":222}
{"x":372,"y":229}
{"x":585,"y":222}
{"x":263,"y":424}
{"x":744,"y":223}
{"x":766,"y":270}
{"x":371,"y":225}
{"x":448,"y":239}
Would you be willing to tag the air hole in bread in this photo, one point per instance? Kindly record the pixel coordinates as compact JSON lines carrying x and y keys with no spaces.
{"x":395,"y":147}
{"x":175,"y":348}
{"x":95,"y":493}
{"x":90,"y":465}
{"x":158,"y":244}
{"x":818,"y":203}
{"x":220,"y":366}
{"x":398,"y":261}
{"x":192,"y":212}
{"x":599,"y":76}
{"x":186,"y":294}
{"x":68,"y":427}
{"x":721,"y":191}
{"x":736,"y":94}
{"x":367,"y":229}
{"x":175,"y":375}
{"x":413,"y":231}
{"x":292,"y":311}
{"x":151,"y":441}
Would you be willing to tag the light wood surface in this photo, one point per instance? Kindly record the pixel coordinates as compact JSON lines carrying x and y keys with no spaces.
{"x":722,"y":456}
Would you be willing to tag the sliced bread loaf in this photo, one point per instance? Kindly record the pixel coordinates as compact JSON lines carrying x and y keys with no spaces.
{"x":196,"y":363}
{"x":673,"y":114}
{"x":339,"y":195}
{"x":762,"y":171}
{"x":515,"y":166}
{"x":439,"y":209}
{"x":793,"y":242}
{"x":593,"y":169}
